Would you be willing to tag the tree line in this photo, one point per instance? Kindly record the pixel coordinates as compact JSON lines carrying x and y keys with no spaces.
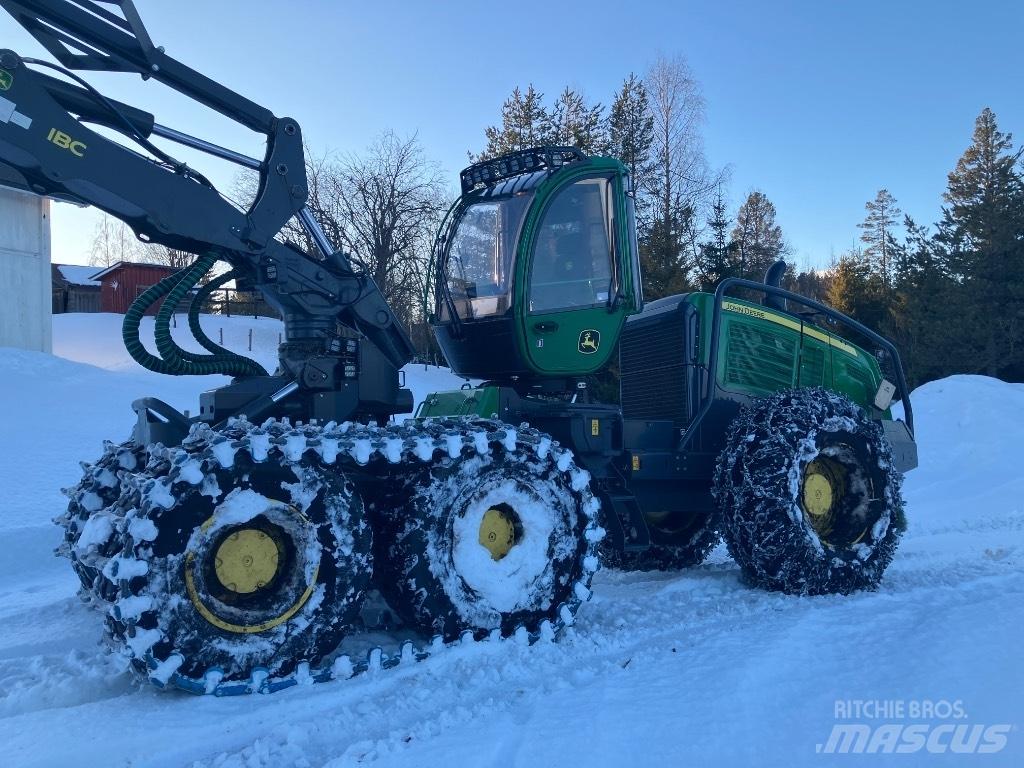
{"x":950,"y":295}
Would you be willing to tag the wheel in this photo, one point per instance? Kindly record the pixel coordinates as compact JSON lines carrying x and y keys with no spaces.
{"x":92,"y":517}
{"x":240,"y":569}
{"x":490,"y":540}
{"x":809,"y":499}
{"x":678,"y":540}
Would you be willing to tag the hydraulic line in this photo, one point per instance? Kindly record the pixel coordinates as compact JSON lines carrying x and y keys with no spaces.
{"x":173,"y":360}
{"x":189,"y":363}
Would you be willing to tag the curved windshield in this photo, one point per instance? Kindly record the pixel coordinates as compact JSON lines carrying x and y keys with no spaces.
{"x":481,"y":256}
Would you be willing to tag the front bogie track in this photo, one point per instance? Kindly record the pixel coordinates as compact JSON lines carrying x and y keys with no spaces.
{"x":239,"y":561}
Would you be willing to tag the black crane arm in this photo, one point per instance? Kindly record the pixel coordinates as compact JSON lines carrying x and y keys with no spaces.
{"x":44,"y":136}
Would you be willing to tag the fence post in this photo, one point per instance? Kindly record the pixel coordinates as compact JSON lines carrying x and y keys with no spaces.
{"x":222,"y":337}
{"x":250,"y":339}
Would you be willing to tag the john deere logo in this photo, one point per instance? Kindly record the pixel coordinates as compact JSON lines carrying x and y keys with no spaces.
{"x":589,"y":341}
{"x":6,"y":79}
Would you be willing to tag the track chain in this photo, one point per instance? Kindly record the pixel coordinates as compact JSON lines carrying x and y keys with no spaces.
{"x":346,"y":445}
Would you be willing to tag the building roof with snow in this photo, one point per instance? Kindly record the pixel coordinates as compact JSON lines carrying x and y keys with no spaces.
{"x":133,"y":265}
{"x":76,"y":274}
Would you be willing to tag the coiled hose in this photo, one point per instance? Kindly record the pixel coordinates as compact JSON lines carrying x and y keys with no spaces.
{"x":173,"y":359}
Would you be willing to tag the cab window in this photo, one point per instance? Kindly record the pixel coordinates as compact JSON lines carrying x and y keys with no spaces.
{"x":481,"y":255}
{"x":572,"y":258}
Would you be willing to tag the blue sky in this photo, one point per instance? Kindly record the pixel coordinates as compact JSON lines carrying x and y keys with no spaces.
{"x":817,"y":104}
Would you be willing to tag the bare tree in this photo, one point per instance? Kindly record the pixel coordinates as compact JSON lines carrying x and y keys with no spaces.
{"x":382,"y":207}
{"x":680,"y":184}
{"x":114,"y":241}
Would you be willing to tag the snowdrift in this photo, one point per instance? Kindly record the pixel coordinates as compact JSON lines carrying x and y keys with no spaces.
{"x":660,"y":669}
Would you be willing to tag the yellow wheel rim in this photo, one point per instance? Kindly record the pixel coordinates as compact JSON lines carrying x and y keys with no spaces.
{"x":824,"y":484}
{"x":817,"y":494}
{"x":246,"y":560}
{"x":497,"y":532}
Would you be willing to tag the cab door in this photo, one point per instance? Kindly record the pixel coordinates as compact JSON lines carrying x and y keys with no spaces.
{"x":579,"y":281}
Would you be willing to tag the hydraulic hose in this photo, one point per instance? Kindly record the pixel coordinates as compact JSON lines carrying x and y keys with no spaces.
{"x":183,"y":362}
{"x":173,"y":359}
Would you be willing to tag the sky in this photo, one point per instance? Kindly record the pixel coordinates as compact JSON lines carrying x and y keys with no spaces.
{"x":818,"y":104}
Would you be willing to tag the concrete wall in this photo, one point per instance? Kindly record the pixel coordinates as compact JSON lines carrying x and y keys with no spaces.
{"x":25,"y":284}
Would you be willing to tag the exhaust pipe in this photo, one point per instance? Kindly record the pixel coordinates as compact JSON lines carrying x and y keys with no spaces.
{"x":773,"y":278}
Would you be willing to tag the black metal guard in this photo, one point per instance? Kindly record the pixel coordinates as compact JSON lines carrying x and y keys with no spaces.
{"x":781,"y":293}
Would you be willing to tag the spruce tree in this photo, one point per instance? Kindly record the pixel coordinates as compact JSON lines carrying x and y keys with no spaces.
{"x":716,"y":260}
{"x":981,"y":240}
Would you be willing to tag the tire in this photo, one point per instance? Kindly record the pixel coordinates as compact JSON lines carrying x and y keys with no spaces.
{"x":92,"y":517}
{"x":809,"y":499}
{"x":237,"y":570}
{"x":523,"y":495}
{"x":678,"y":540}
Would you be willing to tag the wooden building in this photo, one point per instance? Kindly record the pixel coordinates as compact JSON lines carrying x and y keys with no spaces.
{"x":74,"y":288}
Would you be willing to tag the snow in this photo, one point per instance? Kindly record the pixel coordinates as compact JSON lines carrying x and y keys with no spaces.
{"x":658,"y":669}
{"x":78,"y":275}
{"x":502,"y":583}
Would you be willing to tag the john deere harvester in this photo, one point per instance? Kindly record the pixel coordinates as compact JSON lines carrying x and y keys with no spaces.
{"x":273,"y":536}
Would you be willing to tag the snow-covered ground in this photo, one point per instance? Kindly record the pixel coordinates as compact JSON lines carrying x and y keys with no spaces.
{"x":660,"y":669}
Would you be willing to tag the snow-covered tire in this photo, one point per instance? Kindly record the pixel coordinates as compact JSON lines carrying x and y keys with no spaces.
{"x":787,"y":527}
{"x":180,"y":619}
{"x":91,"y":520}
{"x":435,"y":572}
{"x":678,"y":540}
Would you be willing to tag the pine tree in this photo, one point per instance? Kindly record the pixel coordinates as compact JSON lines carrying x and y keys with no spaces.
{"x":879,"y":234}
{"x":758,"y":238}
{"x":573,"y":122}
{"x":524,"y":123}
{"x":981,"y":240}
{"x":631,"y":129}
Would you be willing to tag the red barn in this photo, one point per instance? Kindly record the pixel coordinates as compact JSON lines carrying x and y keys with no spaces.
{"x":125,"y":281}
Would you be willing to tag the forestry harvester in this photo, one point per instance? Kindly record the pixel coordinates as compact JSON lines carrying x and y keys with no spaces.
{"x":234,"y":550}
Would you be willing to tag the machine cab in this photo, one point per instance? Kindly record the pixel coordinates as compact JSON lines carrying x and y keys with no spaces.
{"x":537,"y":266}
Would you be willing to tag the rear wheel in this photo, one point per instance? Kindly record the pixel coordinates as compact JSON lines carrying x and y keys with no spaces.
{"x":809,"y":498}
{"x":490,"y":540}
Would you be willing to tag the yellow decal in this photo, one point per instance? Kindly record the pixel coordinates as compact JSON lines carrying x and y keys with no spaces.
{"x":771,"y":317}
{"x":590,"y":340}
{"x":636,"y":463}
{"x":64,"y":141}
{"x":595,"y":427}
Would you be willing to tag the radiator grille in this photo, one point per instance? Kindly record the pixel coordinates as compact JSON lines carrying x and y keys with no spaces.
{"x":812,"y":366}
{"x":653,"y":374}
{"x":756,"y":359}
